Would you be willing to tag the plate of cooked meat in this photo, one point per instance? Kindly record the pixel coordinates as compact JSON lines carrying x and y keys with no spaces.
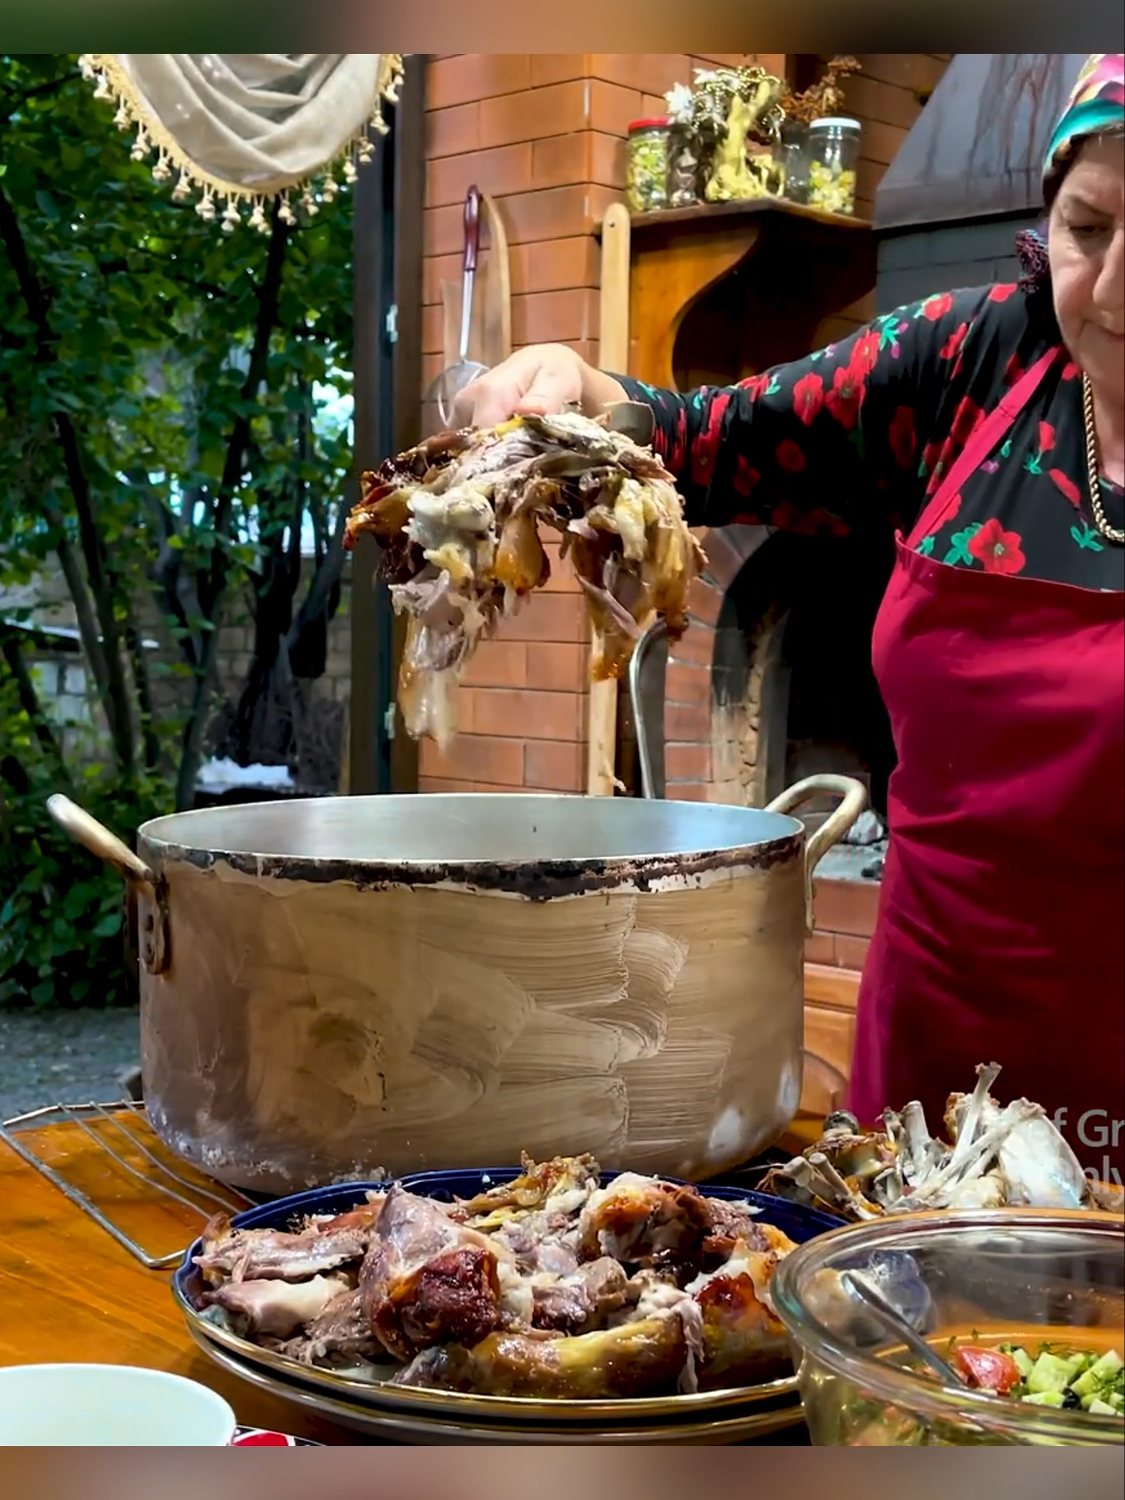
{"x":550,"y":1302}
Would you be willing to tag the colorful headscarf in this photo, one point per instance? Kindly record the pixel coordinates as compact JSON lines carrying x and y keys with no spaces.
{"x":1096,"y":102}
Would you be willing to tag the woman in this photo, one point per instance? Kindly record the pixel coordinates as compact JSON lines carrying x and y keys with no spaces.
{"x":986,"y":428}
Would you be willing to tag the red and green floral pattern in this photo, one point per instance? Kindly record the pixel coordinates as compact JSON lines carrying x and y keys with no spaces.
{"x":863,"y":431}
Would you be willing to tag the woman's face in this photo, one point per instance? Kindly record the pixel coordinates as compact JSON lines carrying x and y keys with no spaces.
{"x":1085,"y":243}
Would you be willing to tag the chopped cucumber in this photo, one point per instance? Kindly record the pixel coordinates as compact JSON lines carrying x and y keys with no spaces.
{"x":1107,"y":1367}
{"x":1098,"y":1408}
{"x":1020,"y":1357}
{"x":1050,"y":1373}
{"x":1056,"y":1380}
{"x":1087,"y":1384}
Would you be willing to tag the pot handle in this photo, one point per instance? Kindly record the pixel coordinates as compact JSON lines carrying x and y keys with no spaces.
{"x":832,"y":830}
{"x":92,"y":835}
{"x":95,"y":837}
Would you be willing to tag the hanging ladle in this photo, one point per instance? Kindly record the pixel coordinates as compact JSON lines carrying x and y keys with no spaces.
{"x":452,"y":381}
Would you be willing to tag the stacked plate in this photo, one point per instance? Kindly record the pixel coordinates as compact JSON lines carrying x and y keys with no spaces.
{"x":401,"y":1414}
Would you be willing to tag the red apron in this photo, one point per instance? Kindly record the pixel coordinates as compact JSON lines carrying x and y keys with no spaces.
{"x":1000,"y":924}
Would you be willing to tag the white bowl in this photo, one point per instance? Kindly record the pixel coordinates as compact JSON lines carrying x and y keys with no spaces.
{"x":108,"y":1406}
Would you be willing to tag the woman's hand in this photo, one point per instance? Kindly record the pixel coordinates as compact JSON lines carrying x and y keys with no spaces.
{"x":535,"y":382}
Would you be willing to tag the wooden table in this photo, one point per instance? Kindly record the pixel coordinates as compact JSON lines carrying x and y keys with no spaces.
{"x":70,"y":1292}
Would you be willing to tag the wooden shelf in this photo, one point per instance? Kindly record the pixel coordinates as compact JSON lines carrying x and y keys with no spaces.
{"x":747,"y":208}
{"x":804,"y":267}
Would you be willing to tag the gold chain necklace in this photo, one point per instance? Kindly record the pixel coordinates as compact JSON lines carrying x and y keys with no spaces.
{"x":1093,"y":468}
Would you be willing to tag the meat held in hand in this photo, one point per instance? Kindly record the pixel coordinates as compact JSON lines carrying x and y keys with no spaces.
{"x":458,"y":520}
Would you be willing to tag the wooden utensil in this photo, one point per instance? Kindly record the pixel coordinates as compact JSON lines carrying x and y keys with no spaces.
{"x":601,"y":745}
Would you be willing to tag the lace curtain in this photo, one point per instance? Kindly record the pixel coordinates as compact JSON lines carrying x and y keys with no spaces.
{"x":236,"y":130}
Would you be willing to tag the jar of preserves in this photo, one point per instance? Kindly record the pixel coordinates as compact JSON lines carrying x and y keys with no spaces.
{"x":794,"y":149}
{"x":647,"y":178}
{"x":833,"y":153}
{"x":685,"y":161}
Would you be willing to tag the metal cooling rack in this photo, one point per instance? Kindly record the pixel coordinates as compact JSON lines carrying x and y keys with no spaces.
{"x":160,"y":1178}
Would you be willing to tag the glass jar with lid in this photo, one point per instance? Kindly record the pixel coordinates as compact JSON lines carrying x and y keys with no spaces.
{"x":833,"y":154}
{"x":685,"y":162}
{"x":794,"y":151}
{"x":647,"y":177}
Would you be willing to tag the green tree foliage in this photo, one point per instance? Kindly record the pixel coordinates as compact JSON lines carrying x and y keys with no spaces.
{"x":161,"y":438}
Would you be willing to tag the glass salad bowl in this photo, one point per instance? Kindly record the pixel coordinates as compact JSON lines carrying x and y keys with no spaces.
{"x":1027,"y":1307}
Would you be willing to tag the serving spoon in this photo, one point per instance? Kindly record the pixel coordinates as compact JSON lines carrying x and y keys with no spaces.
{"x":893,"y":1321}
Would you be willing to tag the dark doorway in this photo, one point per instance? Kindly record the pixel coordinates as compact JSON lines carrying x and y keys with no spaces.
{"x":792,"y":669}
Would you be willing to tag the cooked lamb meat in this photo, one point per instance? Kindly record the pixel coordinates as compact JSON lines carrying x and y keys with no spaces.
{"x":636,"y":1359}
{"x":637,"y":1218}
{"x":549,"y":1285}
{"x":273,"y":1254}
{"x":277,"y":1308}
{"x":458,"y":521}
{"x":582,"y":1300}
{"x":743,"y":1340}
{"x":559,"y":1186}
{"x":341,"y":1335}
{"x":426,"y":1279}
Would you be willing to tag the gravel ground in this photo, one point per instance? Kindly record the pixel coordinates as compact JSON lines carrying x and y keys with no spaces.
{"x":68,"y":1057}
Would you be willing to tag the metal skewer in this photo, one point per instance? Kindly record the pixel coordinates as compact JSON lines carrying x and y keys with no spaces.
{"x":110,"y":1113}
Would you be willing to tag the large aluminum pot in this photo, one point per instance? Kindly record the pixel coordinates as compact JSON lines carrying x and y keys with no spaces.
{"x":336,"y":986}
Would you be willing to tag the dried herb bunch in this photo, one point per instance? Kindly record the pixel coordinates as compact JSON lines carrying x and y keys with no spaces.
{"x":825,"y":97}
{"x":704,"y":106}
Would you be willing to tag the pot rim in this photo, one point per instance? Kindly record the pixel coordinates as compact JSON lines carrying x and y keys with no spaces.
{"x":535,"y":876}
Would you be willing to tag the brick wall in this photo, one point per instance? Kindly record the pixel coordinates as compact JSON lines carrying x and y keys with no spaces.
{"x":887,"y":97}
{"x":544,"y":135}
{"x":845,"y":913}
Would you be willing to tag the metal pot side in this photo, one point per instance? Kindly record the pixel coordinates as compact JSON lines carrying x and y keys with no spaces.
{"x":540,"y":974}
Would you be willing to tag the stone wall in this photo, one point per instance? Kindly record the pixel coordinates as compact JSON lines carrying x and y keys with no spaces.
{"x":236,"y":645}
{"x":62,"y":679}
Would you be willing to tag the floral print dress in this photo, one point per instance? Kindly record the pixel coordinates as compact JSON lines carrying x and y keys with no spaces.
{"x":860,"y":434}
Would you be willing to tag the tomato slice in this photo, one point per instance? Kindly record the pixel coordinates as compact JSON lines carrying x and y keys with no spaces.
{"x":988,"y":1369}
